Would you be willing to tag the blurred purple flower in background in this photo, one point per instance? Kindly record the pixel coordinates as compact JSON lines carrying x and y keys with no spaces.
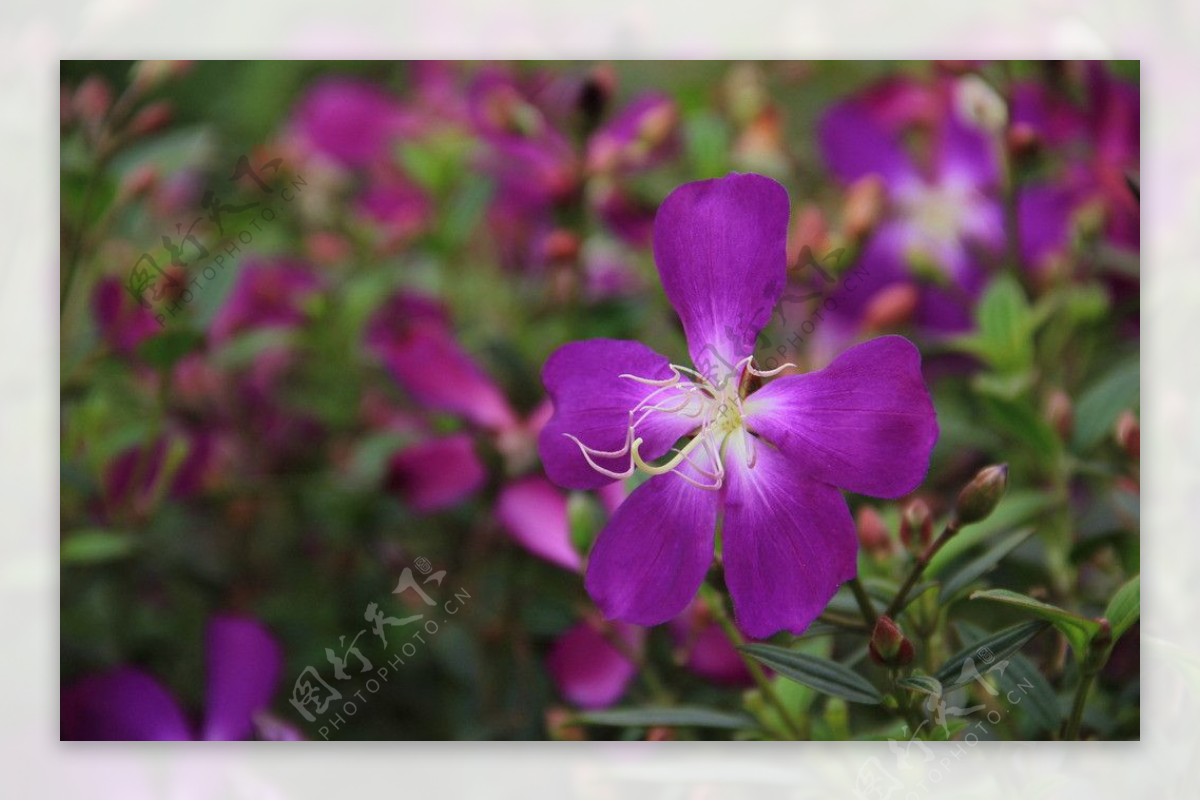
{"x":244,"y":664}
{"x":769,"y":464}
{"x":592,"y":670}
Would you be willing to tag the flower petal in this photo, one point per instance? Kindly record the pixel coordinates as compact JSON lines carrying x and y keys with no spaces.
{"x":592,"y":402}
{"x":534,"y":512}
{"x":414,"y":341}
{"x":865,"y":422}
{"x":855,"y":144}
{"x":788,"y":541}
{"x":124,"y":704}
{"x":588,"y":670}
{"x":721,"y":250}
{"x":437,"y":473}
{"x":244,"y":667}
{"x":652,"y":556}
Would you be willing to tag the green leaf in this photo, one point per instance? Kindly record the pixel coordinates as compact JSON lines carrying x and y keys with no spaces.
{"x":982,"y":564}
{"x":823,"y":675}
{"x":1125,"y":607}
{"x":699,"y":717}
{"x":1078,"y":630}
{"x":1022,"y":424}
{"x":1024,"y":682}
{"x":1098,"y":408}
{"x":1005,"y":325}
{"x":920,"y":683}
{"x":92,"y":546}
{"x":165,"y":349}
{"x":990,"y":651}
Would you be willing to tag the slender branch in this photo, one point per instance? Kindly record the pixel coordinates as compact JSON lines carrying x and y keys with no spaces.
{"x":898,"y":603}
{"x":717,"y":605}
{"x":864,"y":602}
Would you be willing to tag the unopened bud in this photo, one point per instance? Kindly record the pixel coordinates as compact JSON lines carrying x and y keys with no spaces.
{"x":891,"y":308}
{"x":151,"y":73}
{"x":979,"y":104}
{"x":92,"y":99}
{"x":151,"y":118}
{"x":1129,"y":434}
{"x":863,"y":207}
{"x":888,"y":644}
{"x":140,"y":182}
{"x":916,"y":526}
{"x":873,"y":532}
{"x":560,"y":245}
{"x":1022,"y":141}
{"x":979,"y":498}
{"x":1060,"y":413}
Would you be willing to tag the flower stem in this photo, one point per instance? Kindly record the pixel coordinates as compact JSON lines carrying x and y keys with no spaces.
{"x":864,"y":602}
{"x":1071,"y":730}
{"x":716,"y":605}
{"x":897,"y":604}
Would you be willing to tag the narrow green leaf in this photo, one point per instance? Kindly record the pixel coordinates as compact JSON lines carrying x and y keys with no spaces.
{"x":1023,"y":686}
{"x":669,"y":716}
{"x":1098,"y":407}
{"x":987,"y":653}
{"x":823,"y":675}
{"x":1078,"y":630}
{"x":926,"y":685}
{"x":1125,"y":607}
{"x":91,"y":546}
{"x":983,"y":564}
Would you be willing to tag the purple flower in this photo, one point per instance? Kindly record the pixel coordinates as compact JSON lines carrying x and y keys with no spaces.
{"x":244,"y":666}
{"x":588,"y":669}
{"x":351,"y":121}
{"x":768,"y":465}
{"x":436,"y":473}
{"x":123,"y":322}
{"x":267,"y":294}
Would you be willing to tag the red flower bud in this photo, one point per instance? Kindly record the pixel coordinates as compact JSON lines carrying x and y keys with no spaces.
{"x":1129,"y":434}
{"x":873,"y":533}
{"x":1060,"y":414}
{"x":151,"y":118}
{"x":916,"y":526}
{"x":888,"y":644}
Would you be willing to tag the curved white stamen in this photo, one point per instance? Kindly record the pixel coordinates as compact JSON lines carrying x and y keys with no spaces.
{"x":768,"y":373}
{"x":587,"y":455}
{"x":655,"y":382}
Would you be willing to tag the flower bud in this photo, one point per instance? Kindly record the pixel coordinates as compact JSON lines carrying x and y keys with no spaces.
{"x":979,"y":498}
{"x":92,"y":100}
{"x":1060,"y":414}
{"x":1129,"y":434}
{"x":140,"y":182}
{"x":560,"y":245}
{"x":873,"y":532}
{"x":151,"y":118}
{"x":151,"y":74}
{"x":888,"y":644}
{"x":916,"y":526}
{"x":979,"y":104}
{"x":1022,"y":141}
{"x":863,"y":207}
{"x":891,"y":307}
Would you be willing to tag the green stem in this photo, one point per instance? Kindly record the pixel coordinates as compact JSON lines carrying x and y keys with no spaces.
{"x":717,"y":606}
{"x":897,"y":604}
{"x":864,"y":602}
{"x":1071,"y":730}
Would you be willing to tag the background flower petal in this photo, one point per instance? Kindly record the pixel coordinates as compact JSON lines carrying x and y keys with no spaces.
{"x":244,"y":665}
{"x":534,"y":513}
{"x":123,"y":704}
{"x":589,"y":670}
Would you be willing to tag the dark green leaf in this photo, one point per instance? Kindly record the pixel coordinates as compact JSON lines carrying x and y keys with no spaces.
{"x":669,"y":716}
{"x":983,"y":564}
{"x":164,"y":349}
{"x":1078,"y":630}
{"x":987,"y":653}
{"x":823,"y":675}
